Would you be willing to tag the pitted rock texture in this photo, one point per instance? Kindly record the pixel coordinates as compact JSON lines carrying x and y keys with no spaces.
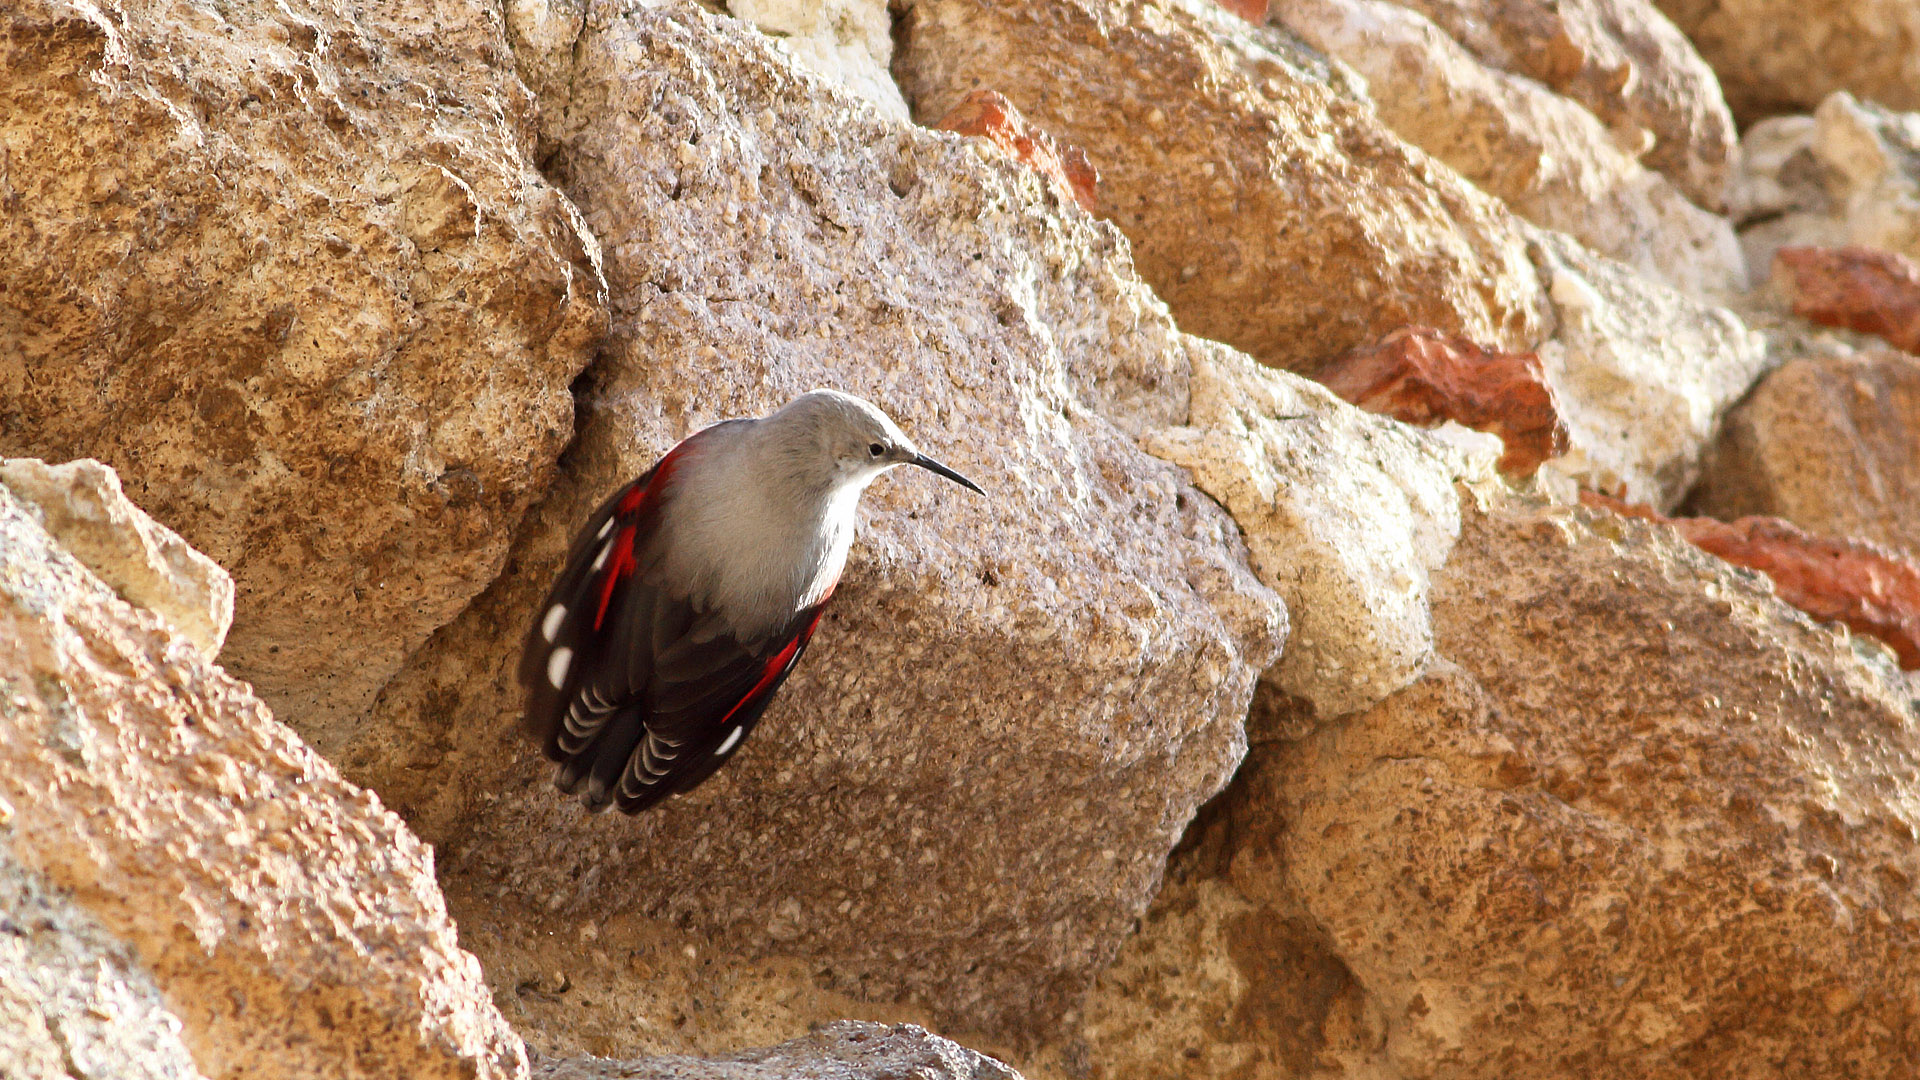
{"x":291,"y":925}
{"x":1345,"y":513}
{"x":1625,"y":63}
{"x":1640,"y":375}
{"x":1648,"y":822}
{"x":967,"y":791}
{"x":1829,"y":442}
{"x":319,"y":311}
{"x":844,"y":1051}
{"x":1544,"y":155}
{"x":1872,"y":292}
{"x":1777,"y":56}
{"x":74,"y":1002}
{"x":1847,"y":176}
{"x":81,"y":504}
{"x":848,"y":42}
{"x":992,"y":117}
{"x":1270,"y":210}
{"x":1423,"y":377}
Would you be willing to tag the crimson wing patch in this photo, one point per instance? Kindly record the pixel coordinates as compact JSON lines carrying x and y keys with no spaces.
{"x":637,"y":695}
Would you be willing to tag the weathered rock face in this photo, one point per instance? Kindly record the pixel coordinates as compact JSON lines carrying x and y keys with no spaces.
{"x":1651,"y":824}
{"x":228,"y":895}
{"x":966,"y":793}
{"x":843,"y":1051}
{"x":1545,"y":155}
{"x":1622,"y":61}
{"x":1776,"y":56}
{"x":319,"y":311}
{"x":848,"y":42}
{"x":1849,"y":175}
{"x":81,"y":506}
{"x":1860,"y":289}
{"x":1831,"y":443}
{"x":1284,"y":183}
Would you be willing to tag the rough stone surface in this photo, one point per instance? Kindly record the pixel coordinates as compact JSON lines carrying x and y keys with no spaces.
{"x":1625,"y":63}
{"x":291,"y":924}
{"x":1874,"y":590}
{"x":289,"y":271}
{"x":1270,"y":210}
{"x":966,"y":793}
{"x":849,"y":42}
{"x":1829,"y":442}
{"x":1545,"y":155}
{"x":81,"y":504}
{"x":1423,"y":377}
{"x":74,"y":1002}
{"x":842,"y":1051}
{"x":1873,"y":292}
{"x":1778,"y":56}
{"x":1847,"y":176}
{"x":1640,"y":374}
{"x":992,"y":117}
{"x":1346,"y":514}
{"x":1649,"y":822}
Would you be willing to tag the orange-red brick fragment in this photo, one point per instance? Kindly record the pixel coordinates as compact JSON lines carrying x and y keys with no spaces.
{"x":1872,"y":589}
{"x":1419,"y":375}
{"x":1254,"y":11}
{"x":1874,"y":292}
{"x":990,"y":116}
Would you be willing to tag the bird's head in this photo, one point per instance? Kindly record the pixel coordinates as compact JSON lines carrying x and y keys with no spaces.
{"x":852,"y":438}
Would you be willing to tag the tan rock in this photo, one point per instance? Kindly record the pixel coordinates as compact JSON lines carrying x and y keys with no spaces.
{"x":289,"y":924}
{"x":1829,"y":442}
{"x":1345,"y":514}
{"x":82,"y":506}
{"x":293,"y":276}
{"x":992,"y":117}
{"x":844,"y":1051}
{"x":1777,"y":56}
{"x":1653,"y":824}
{"x":1545,"y":155}
{"x":1640,"y":375}
{"x":965,"y":795}
{"x":847,"y":42}
{"x":1849,"y":175}
{"x":1268,"y":209}
{"x":1625,"y":63}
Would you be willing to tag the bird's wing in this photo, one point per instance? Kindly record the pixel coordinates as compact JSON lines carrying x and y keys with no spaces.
{"x":634,"y":692}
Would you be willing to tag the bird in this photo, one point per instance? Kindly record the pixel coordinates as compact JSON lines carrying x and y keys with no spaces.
{"x":690,"y":594}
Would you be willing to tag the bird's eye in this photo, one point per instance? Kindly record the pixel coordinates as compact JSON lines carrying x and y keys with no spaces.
{"x":876,"y":449}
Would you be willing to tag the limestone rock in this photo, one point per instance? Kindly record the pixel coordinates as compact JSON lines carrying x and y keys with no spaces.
{"x":1345,"y":514}
{"x":82,"y":506}
{"x":1847,"y":176}
{"x":1829,"y":442}
{"x":74,"y":1003}
{"x":1270,"y":210}
{"x":966,"y":793}
{"x":844,"y":1051}
{"x":1871,"y":292}
{"x":1423,"y":377}
{"x":1545,"y":155}
{"x":225,"y":874}
{"x":1625,"y":63}
{"x":1640,"y":375}
{"x":847,"y":42}
{"x":993,"y":118}
{"x":1648,"y":822}
{"x":1777,"y":56}
{"x":292,"y":275}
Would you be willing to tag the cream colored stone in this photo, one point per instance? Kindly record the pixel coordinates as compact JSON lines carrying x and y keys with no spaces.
{"x":1546,"y":156}
{"x":81,"y":504}
{"x":849,"y":42}
{"x":1847,"y":175}
{"x":212,"y":884}
{"x":1346,"y":514}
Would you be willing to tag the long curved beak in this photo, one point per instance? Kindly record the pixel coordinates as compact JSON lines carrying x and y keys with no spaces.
{"x":931,"y":465}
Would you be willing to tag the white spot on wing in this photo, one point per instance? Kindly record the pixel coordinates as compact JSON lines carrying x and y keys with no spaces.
{"x":732,"y":738}
{"x":557,"y":667}
{"x":550,"y":625}
{"x":605,"y":528}
{"x":600,"y":560}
